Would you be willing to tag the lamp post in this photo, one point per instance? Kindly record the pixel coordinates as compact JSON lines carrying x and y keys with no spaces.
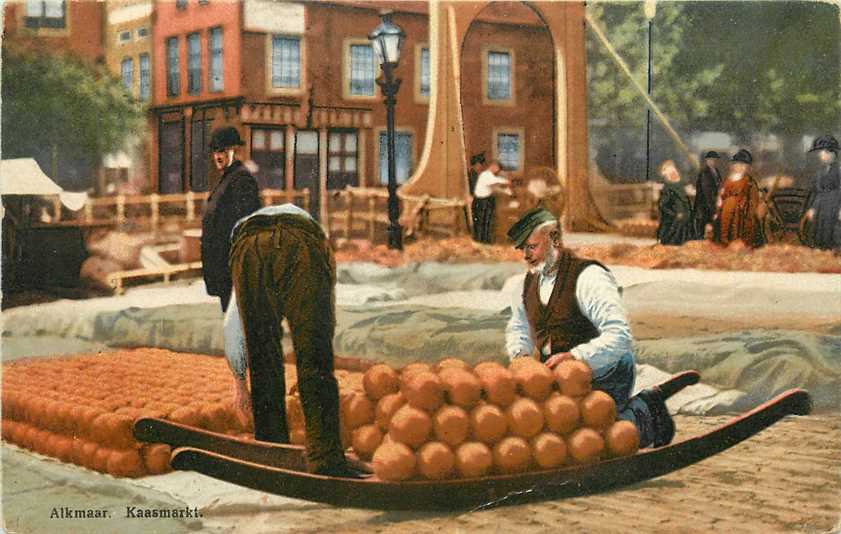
{"x":386,"y":39}
{"x":650,"y":9}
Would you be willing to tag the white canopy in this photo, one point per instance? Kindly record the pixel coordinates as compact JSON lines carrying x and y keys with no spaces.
{"x":23,"y":176}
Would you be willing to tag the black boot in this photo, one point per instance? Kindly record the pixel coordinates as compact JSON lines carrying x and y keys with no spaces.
{"x":661,"y":420}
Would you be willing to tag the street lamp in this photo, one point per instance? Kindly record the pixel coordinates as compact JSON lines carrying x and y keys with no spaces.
{"x":650,"y":10}
{"x":386,"y":39}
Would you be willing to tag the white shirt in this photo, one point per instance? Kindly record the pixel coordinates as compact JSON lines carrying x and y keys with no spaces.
{"x":598,"y":298}
{"x":485,"y":182}
{"x":235,"y":351}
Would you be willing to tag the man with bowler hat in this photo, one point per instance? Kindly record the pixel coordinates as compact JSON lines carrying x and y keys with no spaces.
{"x":824,"y":210}
{"x":234,"y":196}
{"x":706,"y":192}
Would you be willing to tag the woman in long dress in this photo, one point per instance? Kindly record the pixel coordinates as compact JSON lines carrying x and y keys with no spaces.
{"x":739,"y":208}
{"x":676,"y":223}
{"x":825,"y":208}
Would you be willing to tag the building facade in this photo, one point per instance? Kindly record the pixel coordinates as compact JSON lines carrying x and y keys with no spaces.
{"x":299,"y":81}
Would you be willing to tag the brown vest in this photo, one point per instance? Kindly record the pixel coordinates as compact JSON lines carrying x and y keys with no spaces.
{"x":560,"y":320}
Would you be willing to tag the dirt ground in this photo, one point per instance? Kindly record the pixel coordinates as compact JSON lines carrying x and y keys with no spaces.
{"x":785,"y":479}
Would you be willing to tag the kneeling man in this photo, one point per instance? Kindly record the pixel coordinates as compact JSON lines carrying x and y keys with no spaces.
{"x":571,"y":308}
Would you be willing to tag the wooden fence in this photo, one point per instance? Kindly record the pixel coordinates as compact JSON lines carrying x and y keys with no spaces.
{"x":356,"y":212}
{"x":150,"y":211}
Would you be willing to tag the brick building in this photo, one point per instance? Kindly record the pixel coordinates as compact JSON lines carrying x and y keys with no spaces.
{"x":298,"y":79}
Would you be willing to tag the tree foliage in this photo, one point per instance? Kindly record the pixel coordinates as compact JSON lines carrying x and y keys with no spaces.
{"x":744,"y":68}
{"x":62,"y":105}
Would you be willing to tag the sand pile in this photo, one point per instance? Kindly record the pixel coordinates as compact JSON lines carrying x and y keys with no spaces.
{"x":694,"y":254}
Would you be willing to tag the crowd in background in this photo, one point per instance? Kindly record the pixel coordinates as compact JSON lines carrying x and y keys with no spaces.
{"x":732,"y":207}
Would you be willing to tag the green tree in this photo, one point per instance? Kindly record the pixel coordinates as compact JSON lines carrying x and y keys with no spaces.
{"x":58,"y":108}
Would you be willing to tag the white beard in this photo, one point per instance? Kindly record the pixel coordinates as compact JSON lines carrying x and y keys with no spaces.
{"x":548,"y":266}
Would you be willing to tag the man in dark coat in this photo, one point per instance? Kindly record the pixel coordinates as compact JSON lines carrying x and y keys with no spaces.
{"x":706,"y":192}
{"x":234,"y":197}
{"x":825,"y":206}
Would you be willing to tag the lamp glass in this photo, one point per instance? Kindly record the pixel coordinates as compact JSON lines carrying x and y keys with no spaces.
{"x":650,"y":9}
{"x":387,"y":40}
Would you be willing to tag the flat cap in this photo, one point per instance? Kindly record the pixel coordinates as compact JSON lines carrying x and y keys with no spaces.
{"x":522,"y":229}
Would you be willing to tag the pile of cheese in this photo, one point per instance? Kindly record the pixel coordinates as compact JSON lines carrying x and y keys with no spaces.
{"x":451,"y":421}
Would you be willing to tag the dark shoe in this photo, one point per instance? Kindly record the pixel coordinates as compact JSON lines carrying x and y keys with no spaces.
{"x":664,"y":425}
{"x":678,"y":382}
{"x":342,"y":471}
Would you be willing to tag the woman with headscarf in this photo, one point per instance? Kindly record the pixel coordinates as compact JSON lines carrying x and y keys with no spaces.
{"x":825,"y":207}
{"x":676,"y":223}
{"x":739,"y":210}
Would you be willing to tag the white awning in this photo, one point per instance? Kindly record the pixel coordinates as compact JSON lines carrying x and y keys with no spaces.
{"x":23,"y":176}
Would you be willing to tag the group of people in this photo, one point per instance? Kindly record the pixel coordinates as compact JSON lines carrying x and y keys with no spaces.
{"x":732,"y":208}
{"x":274,"y":263}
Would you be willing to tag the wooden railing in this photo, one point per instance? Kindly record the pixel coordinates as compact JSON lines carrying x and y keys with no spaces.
{"x":152,"y":210}
{"x":363,"y":212}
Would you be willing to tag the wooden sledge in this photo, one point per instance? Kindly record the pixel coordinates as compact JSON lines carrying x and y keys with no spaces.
{"x":492,"y":490}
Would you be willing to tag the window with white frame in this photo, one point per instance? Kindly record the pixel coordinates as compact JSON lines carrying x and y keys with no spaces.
{"x":509,"y":150}
{"x":499,"y":75}
{"x":268,"y":151}
{"x":142,"y":33}
{"x":193,"y":63}
{"x":286,"y":62}
{"x":402,"y":156}
{"x":173,"y":78}
{"x":145,"y":77}
{"x":362,"y":70}
{"x":124,"y":37}
{"x":127,"y":74}
{"x":217,"y":66}
{"x":424,"y":74}
{"x":46,"y":14}
{"x":343,"y":159}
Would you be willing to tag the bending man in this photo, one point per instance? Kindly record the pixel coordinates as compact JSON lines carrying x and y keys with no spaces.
{"x":568,"y":307}
{"x":282,"y":266}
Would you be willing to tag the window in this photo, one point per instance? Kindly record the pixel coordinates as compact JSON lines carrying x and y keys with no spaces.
{"x":194,"y":63}
{"x":145,"y":77}
{"x":181,"y":4}
{"x":173,"y":79}
{"x":200,"y":155}
{"x":402,"y":156}
{"x":423,"y":75}
{"x":171,"y":161}
{"x":509,"y":150}
{"x":499,"y":76}
{"x":217,"y":68}
{"x":127,"y":74}
{"x":286,"y":62}
{"x":342,"y":159}
{"x":45,"y":14}
{"x":125,"y":37}
{"x":361,"y":70}
{"x":268,"y":151}
{"x":142,"y":33}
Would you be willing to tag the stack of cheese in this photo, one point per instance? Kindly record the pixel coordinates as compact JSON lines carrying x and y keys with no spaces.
{"x":81,"y":409}
{"x":448,"y":421}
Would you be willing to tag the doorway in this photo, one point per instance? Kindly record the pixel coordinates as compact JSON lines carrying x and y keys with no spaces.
{"x":307,"y":167}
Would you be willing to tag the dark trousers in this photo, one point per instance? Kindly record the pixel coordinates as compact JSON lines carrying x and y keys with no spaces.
{"x":483,"y":219}
{"x":282,"y":267}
